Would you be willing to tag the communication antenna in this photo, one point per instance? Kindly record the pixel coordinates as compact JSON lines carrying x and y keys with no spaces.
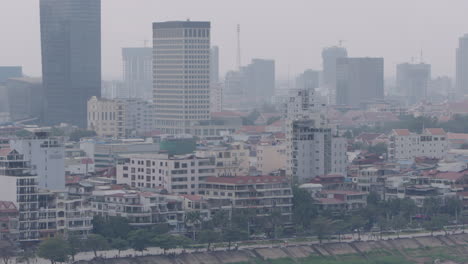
{"x":340,"y":42}
{"x":238,"y":48}
{"x":421,"y":57}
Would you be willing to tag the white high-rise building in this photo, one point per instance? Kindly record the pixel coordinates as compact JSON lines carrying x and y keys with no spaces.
{"x":47,"y":158}
{"x":177,"y":174}
{"x":181,"y":74}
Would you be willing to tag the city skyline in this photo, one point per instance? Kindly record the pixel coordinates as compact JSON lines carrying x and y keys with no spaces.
{"x":388,"y":31}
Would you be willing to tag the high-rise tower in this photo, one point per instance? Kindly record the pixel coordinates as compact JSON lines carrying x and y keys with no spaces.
{"x":181,"y":74}
{"x":71,"y":58}
{"x":462,"y":66}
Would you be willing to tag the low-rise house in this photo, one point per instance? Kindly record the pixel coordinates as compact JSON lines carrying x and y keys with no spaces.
{"x":347,"y":200}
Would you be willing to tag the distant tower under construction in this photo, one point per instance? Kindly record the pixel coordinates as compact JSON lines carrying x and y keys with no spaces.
{"x":239,"y":64}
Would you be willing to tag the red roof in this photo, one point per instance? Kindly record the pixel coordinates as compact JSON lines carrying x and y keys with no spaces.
{"x":330,"y":201}
{"x":457,"y":136}
{"x":252,"y":129}
{"x":7,"y":207}
{"x":245,"y":179}
{"x":436,"y":131}
{"x":402,"y":132}
{"x":453,"y":176}
{"x":5,"y":151}
{"x":344,"y":192}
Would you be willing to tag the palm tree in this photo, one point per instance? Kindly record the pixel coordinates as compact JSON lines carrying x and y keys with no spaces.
{"x":193,"y":219}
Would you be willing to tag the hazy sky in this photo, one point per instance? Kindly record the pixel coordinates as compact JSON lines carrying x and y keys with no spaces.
{"x":292,"y":32}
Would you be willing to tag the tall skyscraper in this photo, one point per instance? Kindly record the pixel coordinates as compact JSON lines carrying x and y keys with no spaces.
{"x":71,"y":58}
{"x":308,"y":80}
{"x":259,"y":80}
{"x":413,"y":81}
{"x":138,"y":72}
{"x":181,"y":73}
{"x":359,"y":80}
{"x":214,"y":64}
{"x":462,"y":66}
{"x":329,"y":57}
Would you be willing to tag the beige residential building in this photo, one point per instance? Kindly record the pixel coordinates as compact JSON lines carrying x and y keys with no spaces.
{"x":230,"y":160}
{"x":119,"y":117}
{"x":271,"y":157}
{"x":106,"y":117}
{"x":177,"y":174}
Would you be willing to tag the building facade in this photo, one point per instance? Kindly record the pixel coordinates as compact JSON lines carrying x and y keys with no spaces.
{"x":329,"y":57}
{"x":71,"y":58}
{"x":461,"y":76}
{"x":359,"y":81}
{"x":25,"y":98}
{"x":176,"y":174}
{"x":181,"y":73}
{"x":404,"y":145}
{"x":413,"y":81}
{"x":138,"y":72}
{"x":19,"y":186}
{"x":47,"y":158}
{"x":313,"y":151}
{"x":271,"y":157}
{"x":119,"y":117}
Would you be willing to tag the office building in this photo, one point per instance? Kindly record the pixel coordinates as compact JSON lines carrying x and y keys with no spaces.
{"x":259,"y":81}
{"x":47,"y":158}
{"x":25,"y":98}
{"x":413,"y":81}
{"x":71,"y":58}
{"x":359,"y":81}
{"x":216,"y":97}
{"x":461,"y":78}
{"x":329,"y":57}
{"x":181,"y":68}
{"x":308,"y":80}
{"x":138,"y":72}
{"x":214,"y":64}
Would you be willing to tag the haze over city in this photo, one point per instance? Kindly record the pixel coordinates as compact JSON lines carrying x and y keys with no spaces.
{"x":291,"y":32}
{"x":234,"y":132}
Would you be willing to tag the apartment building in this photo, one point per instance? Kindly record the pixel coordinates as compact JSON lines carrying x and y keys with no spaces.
{"x":60,"y":213}
{"x":46,"y":156}
{"x":313,"y":151}
{"x":9,"y":215}
{"x":177,"y":174}
{"x":265,"y":194}
{"x":141,"y":208}
{"x":19,"y":186}
{"x":231,"y":159}
{"x":119,"y":117}
{"x":271,"y":157}
{"x":405,"y":145}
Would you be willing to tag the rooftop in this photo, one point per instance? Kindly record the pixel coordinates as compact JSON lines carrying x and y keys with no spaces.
{"x":246,"y":179}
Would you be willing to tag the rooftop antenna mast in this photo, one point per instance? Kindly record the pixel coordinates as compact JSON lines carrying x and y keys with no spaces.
{"x":238,"y":48}
{"x":421,"y":60}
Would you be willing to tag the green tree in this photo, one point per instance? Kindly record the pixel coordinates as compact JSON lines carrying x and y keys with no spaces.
{"x":26,"y":256}
{"x":119,"y":244}
{"x":234,"y":234}
{"x":140,"y":239}
{"x":436,"y":223}
{"x":379,"y":149}
{"x":322,"y":227}
{"x":7,"y":251}
{"x":96,"y":243}
{"x":208,"y":237}
{"x":76,"y":245}
{"x":193,"y":220}
{"x":54,"y":249}
{"x":431,"y":206}
{"x":220,"y":219}
{"x":304,"y":209}
{"x":166,"y":242}
{"x":23,"y":133}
